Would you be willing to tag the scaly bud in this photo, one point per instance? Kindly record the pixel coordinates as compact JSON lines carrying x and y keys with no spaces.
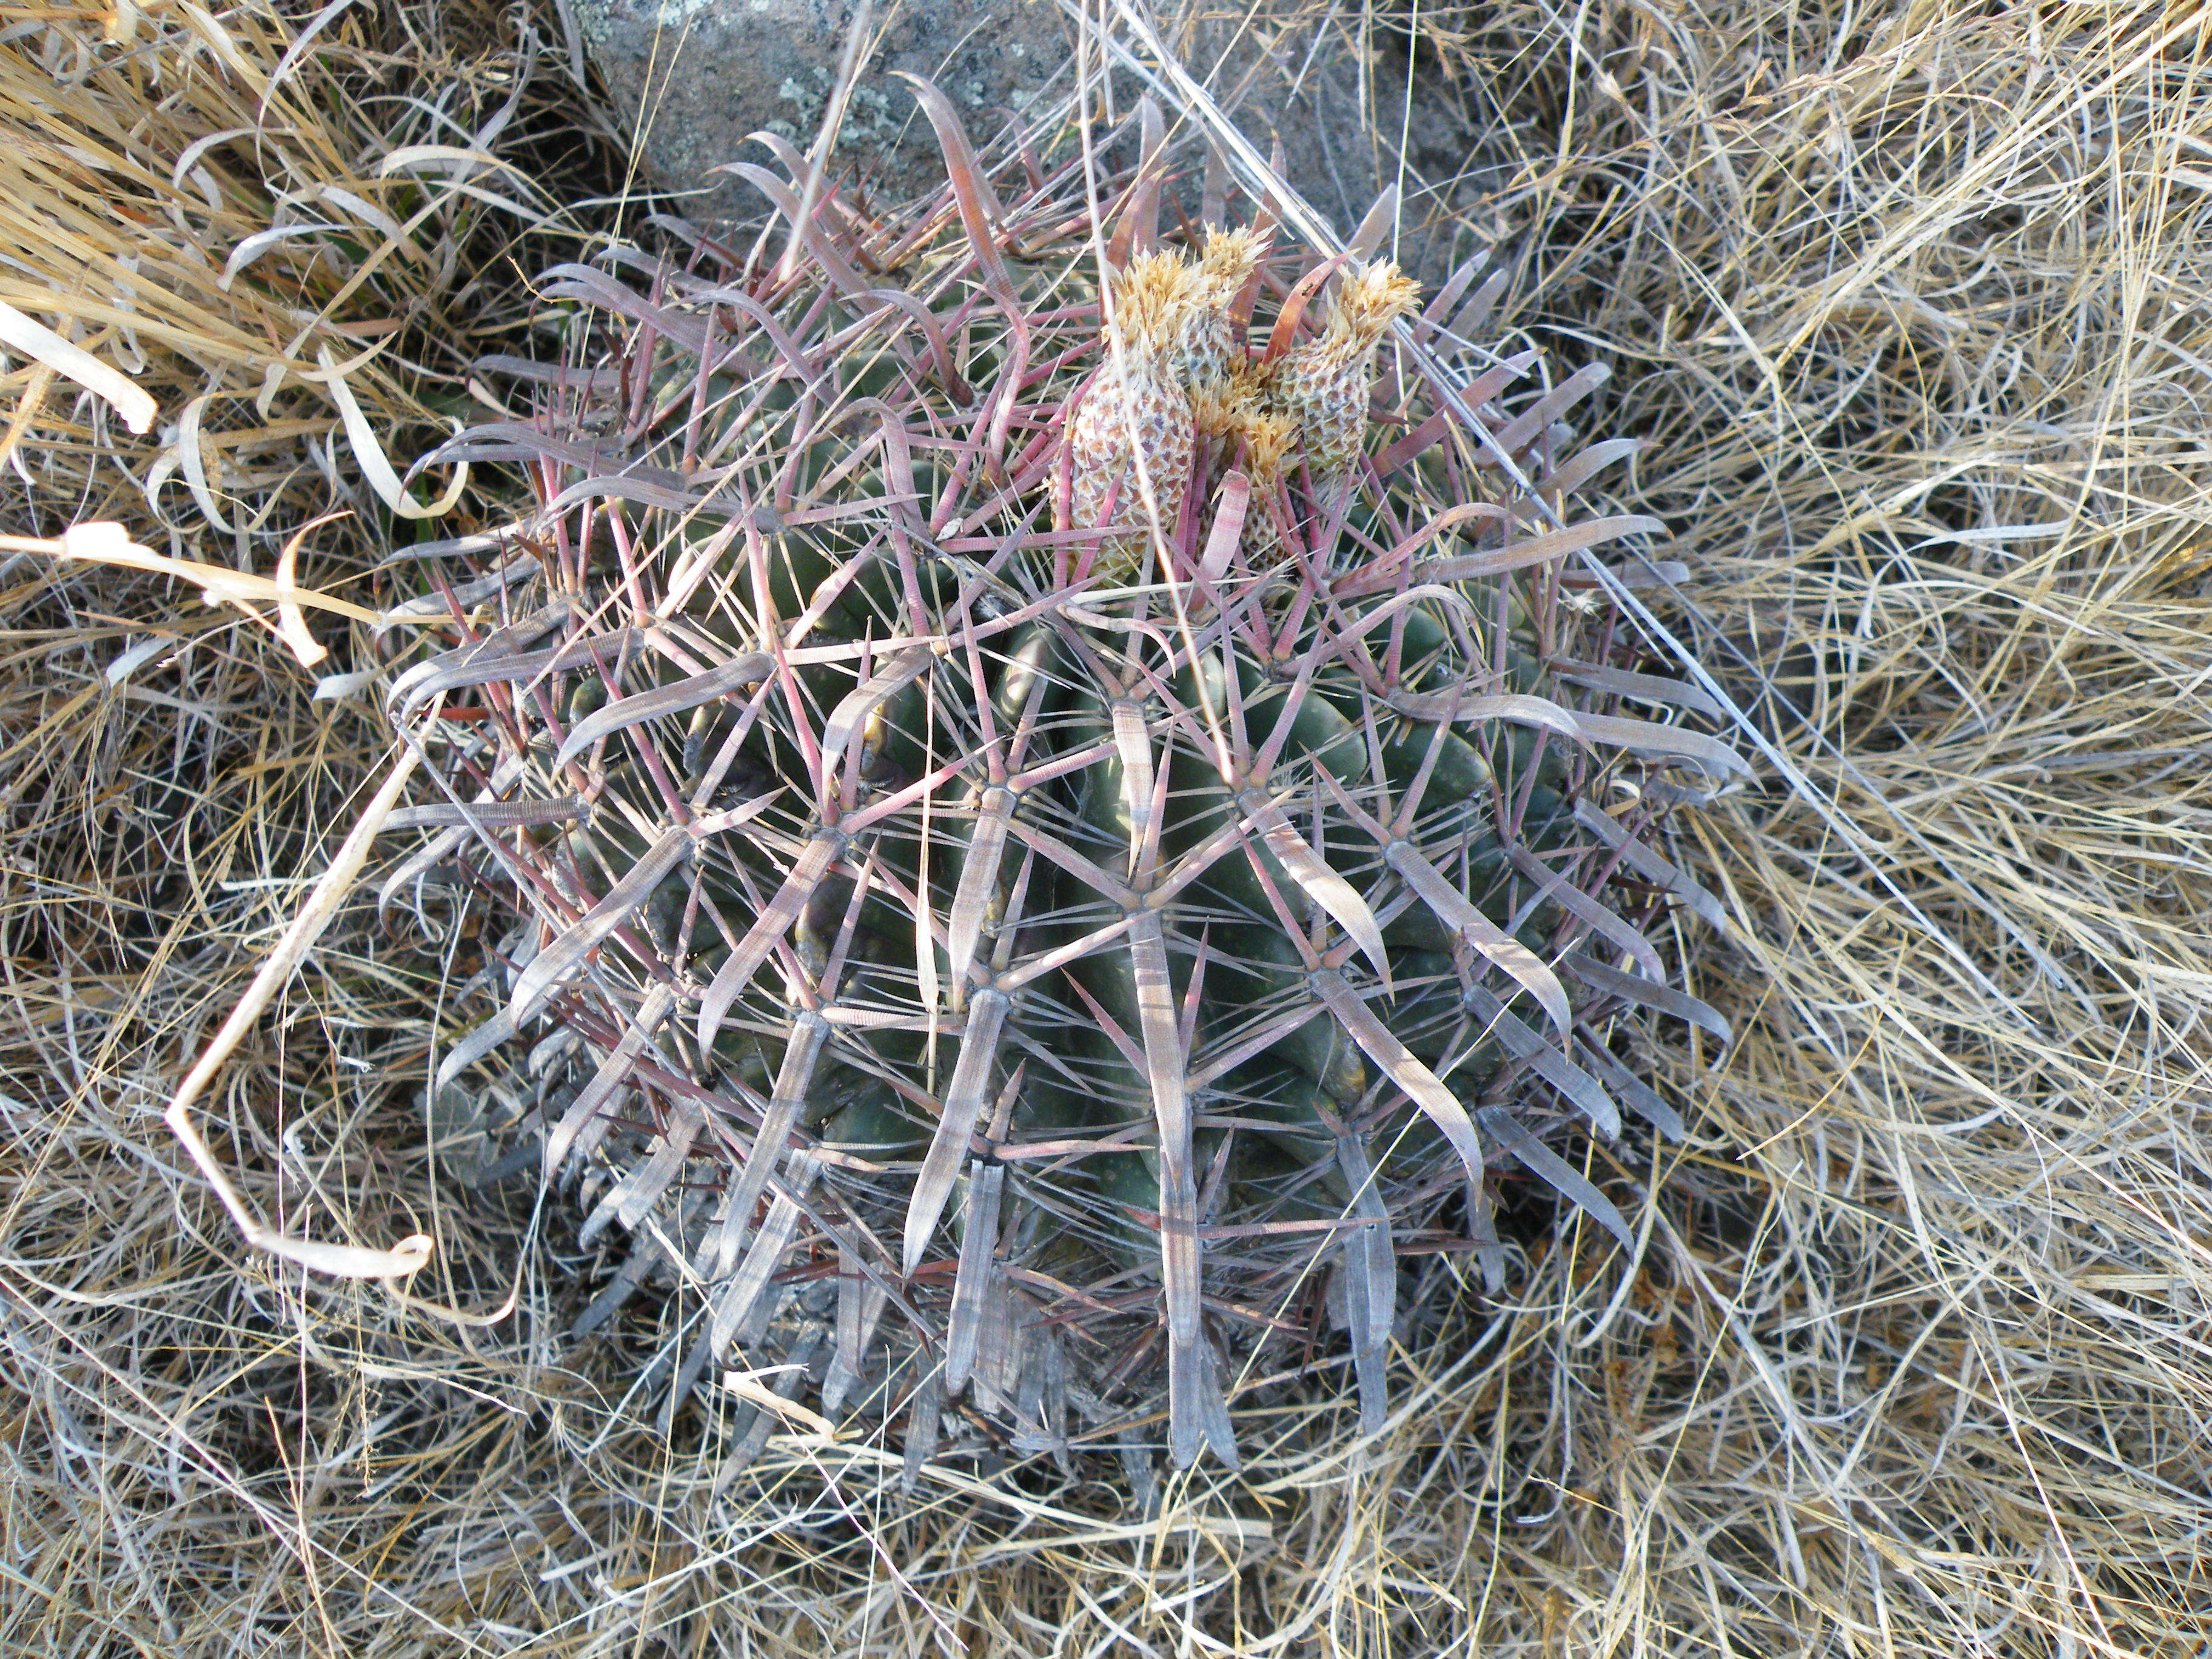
{"x":1211,"y":346}
{"x":1324,"y":383}
{"x":1132,"y":431}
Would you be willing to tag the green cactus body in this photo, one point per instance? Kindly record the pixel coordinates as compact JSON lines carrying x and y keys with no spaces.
{"x":980,"y":931}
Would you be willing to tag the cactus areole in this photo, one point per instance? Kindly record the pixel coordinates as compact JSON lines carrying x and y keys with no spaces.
{"x":1041,"y":833}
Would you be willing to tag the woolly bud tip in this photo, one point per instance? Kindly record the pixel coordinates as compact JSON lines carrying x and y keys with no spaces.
{"x":1268,"y":440}
{"x":1229,"y":259}
{"x":1271,"y":441}
{"x":1152,"y":300}
{"x":1221,"y":408}
{"x":1372,"y":300}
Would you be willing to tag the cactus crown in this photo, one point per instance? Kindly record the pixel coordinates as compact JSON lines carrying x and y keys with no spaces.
{"x":976,"y":970}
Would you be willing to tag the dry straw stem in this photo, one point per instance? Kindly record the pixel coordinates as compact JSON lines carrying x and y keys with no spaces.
{"x":170,"y":790}
{"x":237,"y":249}
{"x":1913,"y":1359}
{"x":236,"y":230}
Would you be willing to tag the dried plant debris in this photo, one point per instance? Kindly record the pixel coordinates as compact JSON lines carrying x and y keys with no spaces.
{"x":272,"y":253}
{"x":972,"y":855}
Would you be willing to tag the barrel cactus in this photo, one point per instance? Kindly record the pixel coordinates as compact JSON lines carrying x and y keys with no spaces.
{"x":1049,"y":797}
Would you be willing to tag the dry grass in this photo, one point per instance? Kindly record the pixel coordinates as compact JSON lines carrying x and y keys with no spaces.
{"x":1913,"y":1361}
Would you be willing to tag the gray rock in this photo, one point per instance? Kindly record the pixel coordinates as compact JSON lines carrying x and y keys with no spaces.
{"x":699,"y":76}
{"x":1341,"y":124}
